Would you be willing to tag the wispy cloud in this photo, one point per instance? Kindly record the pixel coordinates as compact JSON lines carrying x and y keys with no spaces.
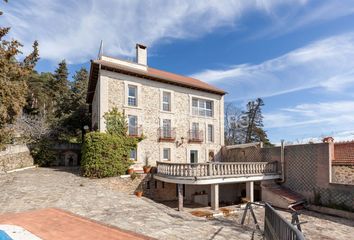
{"x":313,"y":120}
{"x":315,"y":12}
{"x":326,"y":64}
{"x":72,"y":29}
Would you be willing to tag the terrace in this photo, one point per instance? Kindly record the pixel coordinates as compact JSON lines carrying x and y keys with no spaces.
{"x":216,"y":172}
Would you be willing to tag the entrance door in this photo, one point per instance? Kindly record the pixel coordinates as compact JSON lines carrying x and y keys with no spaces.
{"x":193,"y":156}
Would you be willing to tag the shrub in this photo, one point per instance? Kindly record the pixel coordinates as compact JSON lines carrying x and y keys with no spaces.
{"x":6,"y":137}
{"x":106,"y":155}
{"x":116,"y":122}
{"x":43,"y":153}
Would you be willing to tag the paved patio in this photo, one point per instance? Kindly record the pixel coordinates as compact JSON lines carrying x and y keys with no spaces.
{"x":51,"y":223}
{"x":60,"y":188}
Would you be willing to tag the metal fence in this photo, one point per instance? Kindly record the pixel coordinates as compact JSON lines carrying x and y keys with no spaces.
{"x":278,"y":228}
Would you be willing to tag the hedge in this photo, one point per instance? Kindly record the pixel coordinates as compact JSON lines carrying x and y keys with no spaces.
{"x":106,"y":155}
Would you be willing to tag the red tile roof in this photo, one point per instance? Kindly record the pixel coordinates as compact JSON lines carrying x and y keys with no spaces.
{"x":343,"y":153}
{"x":151,"y":74}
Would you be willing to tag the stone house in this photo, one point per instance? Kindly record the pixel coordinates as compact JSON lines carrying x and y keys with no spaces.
{"x":182,"y":119}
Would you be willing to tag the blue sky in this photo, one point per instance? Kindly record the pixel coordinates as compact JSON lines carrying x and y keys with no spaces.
{"x":298,"y":55}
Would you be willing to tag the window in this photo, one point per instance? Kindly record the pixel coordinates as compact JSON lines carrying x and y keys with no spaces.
{"x":202,"y":107}
{"x":166,"y":156}
{"x":166,"y":101}
{"x":132,"y":95}
{"x":132,"y":155}
{"x":210,"y":133}
{"x":193,"y":156}
{"x":166,"y":128}
{"x":195,"y":131}
{"x":132,"y":125}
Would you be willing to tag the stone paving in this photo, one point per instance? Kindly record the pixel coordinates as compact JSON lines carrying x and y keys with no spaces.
{"x":42,"y":188}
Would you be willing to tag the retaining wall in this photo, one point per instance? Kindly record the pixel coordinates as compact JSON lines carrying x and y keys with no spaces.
{"x":14,"y":157}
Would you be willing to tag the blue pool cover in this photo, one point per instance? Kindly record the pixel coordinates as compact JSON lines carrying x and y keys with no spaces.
{"x":4,"y":236}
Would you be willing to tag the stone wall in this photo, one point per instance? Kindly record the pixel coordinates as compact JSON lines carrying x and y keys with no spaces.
{"x":343,"y":174}
{"x":67,"y":154}
{"x":14,"y":157}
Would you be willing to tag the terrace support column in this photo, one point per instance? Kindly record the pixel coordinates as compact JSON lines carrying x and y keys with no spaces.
{"x":214,"y":196}
{"x":250,"y":191}
{"x":180,"y":197}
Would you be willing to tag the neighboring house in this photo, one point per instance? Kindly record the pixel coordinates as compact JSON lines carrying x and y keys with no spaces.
{"x":182,"y":120}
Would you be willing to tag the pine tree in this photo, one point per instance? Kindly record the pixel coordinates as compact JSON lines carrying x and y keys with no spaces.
{"x":39,"y":94}
{"x":60,"y":91}
{"x":253,"y":117}
{"x":78,"y":115}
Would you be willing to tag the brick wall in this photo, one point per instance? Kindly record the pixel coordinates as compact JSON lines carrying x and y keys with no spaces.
{"x":16,"y":156}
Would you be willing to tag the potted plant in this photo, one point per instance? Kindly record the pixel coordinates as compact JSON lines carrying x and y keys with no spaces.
{"x":147,"y":168}
{"x":139,"y":191}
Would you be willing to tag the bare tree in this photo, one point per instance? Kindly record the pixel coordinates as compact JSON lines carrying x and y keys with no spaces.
{"x":233,"y":124}
{"x":31,"y":128}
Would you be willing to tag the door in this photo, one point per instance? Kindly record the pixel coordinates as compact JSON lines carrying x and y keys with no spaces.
{"x":193,"y":156}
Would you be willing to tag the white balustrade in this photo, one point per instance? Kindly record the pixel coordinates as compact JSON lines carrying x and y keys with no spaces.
{"x":216,"y":169}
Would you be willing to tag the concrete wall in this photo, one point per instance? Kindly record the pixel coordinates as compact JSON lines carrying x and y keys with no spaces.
{"x":307,"y":171}
{"x":251,"y":154}
{"x":16,"y":156}
{"x":95,"y":108}
{"x":149,"y":111}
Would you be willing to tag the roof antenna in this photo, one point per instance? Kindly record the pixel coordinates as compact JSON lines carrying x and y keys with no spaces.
{"x":100,"y":51}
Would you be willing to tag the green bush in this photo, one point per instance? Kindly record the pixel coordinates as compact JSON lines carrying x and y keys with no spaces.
{"x":106,"y":155}
{"x":43,"y":153}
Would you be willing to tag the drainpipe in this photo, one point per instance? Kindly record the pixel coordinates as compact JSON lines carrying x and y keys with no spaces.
{"x":282,"y":162}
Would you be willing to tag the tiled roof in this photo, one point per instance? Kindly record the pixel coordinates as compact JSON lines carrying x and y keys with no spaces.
{"x":343,"y":153}
{"x":151,"y":74}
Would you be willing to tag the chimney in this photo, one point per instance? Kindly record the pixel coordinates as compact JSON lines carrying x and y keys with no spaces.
{"x":328,"y":140}
{"x":141,"y":54}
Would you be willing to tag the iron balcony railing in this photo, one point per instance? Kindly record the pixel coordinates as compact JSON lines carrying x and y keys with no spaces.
{"x":135,"y":131}
{"x":167,"y":134}
{"x":193,"y":170}
{"x":277,"y":227}
{"x":195,"y":136}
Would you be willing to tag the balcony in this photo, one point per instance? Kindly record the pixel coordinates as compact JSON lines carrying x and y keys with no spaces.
{"x":221,"y":172}
{"x":167,"y":134}
{"x":135,"y":131}
{"x":195,"y":136}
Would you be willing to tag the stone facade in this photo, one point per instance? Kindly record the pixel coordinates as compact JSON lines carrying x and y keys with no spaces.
{"x":14,"y":157}
{"x":343,"y":174}
{"x":113,"y":93}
